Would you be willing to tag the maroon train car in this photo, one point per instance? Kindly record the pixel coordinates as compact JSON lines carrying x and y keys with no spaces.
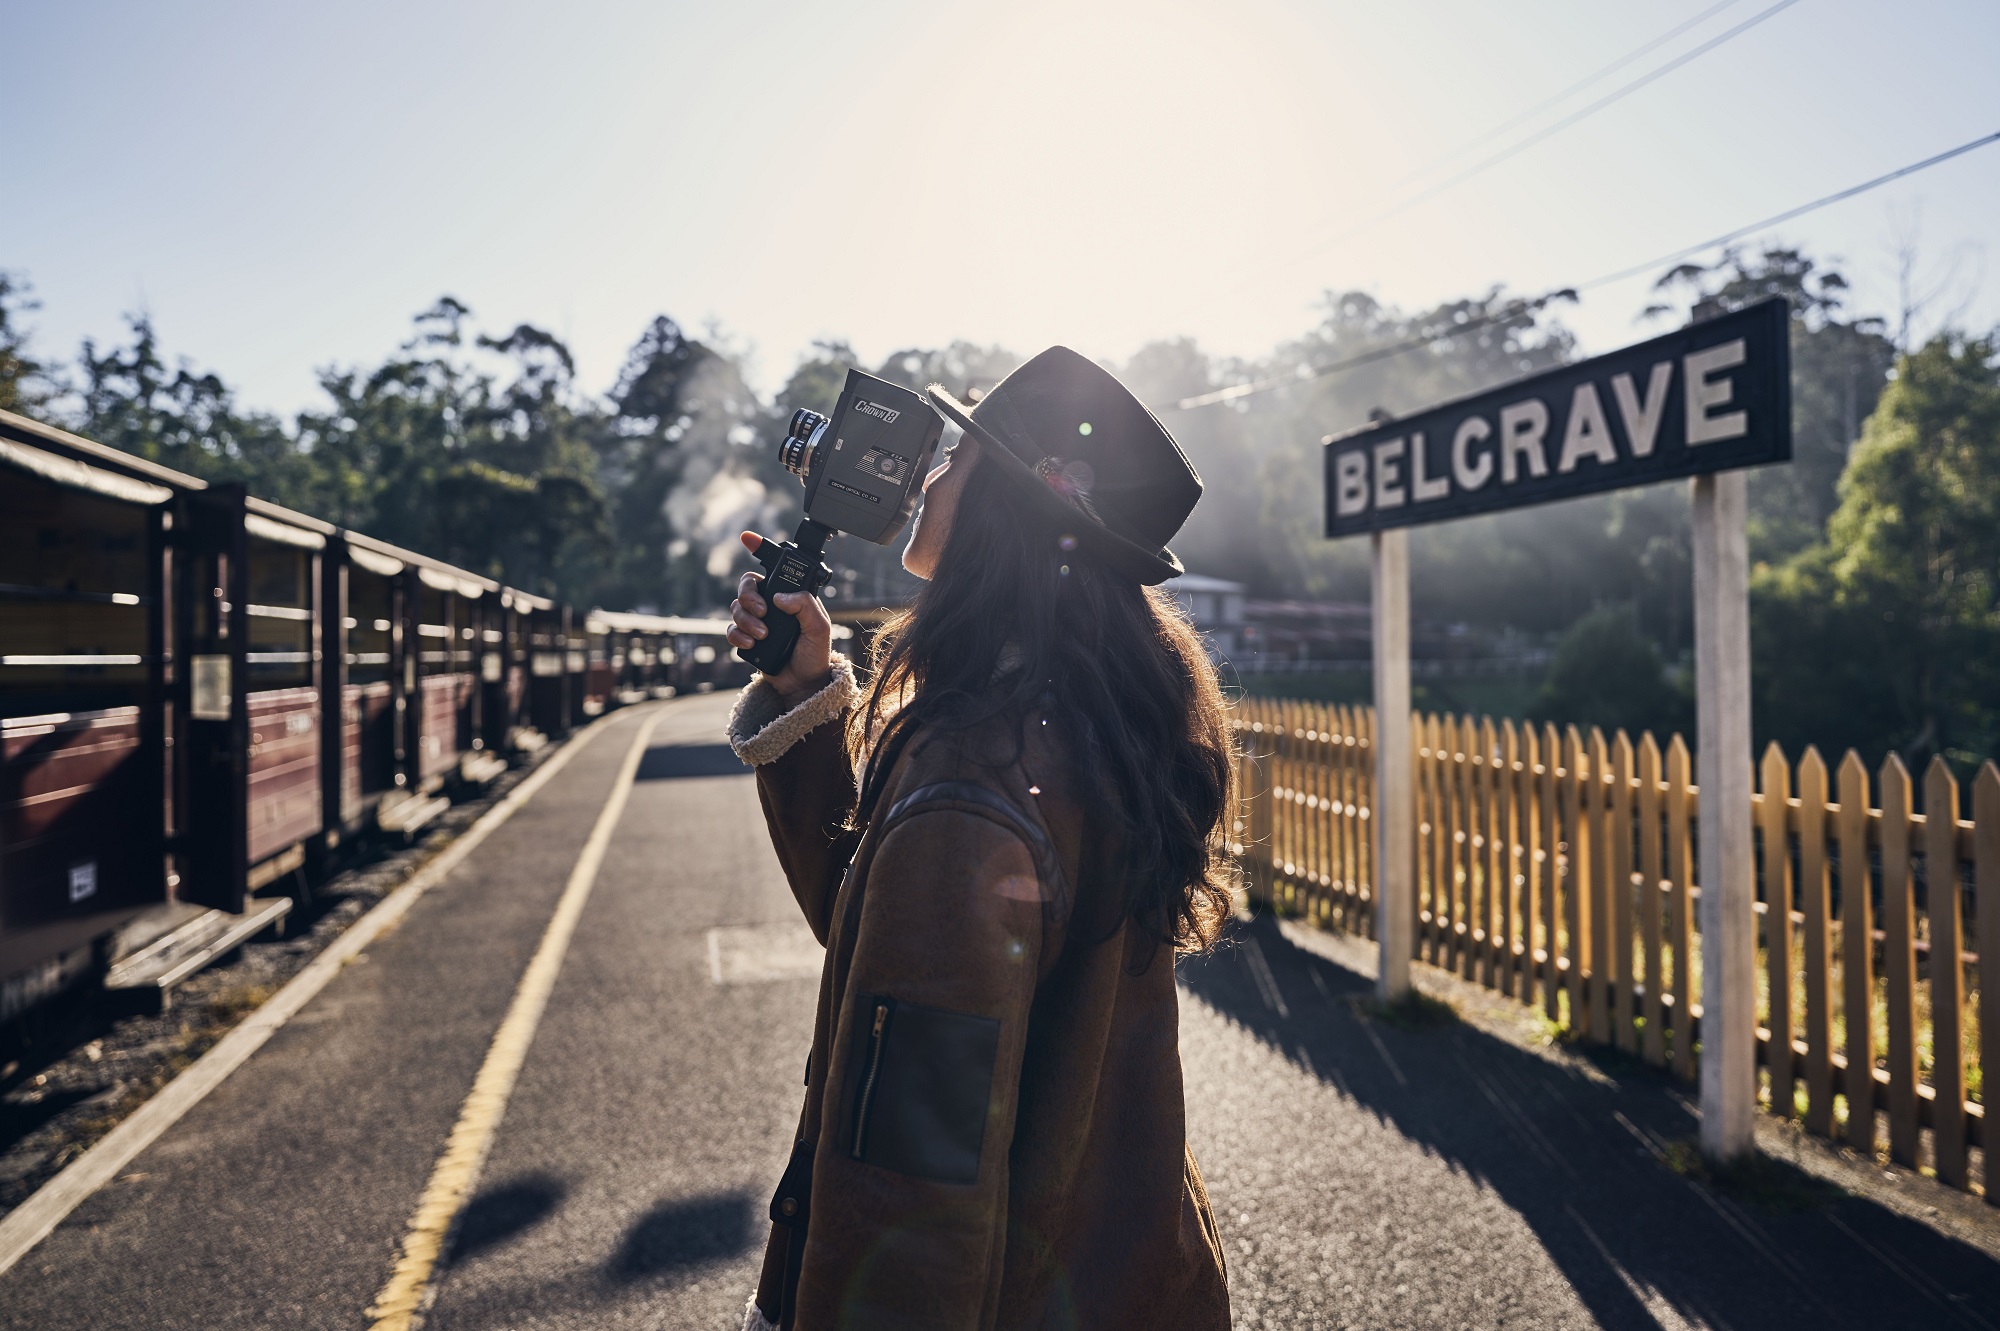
{"x":83,"y":629}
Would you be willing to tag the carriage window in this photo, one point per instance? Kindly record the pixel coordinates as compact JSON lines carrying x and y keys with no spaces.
{"x":75,"y":597}
{"x":437,"y":627}
{"x":281,"y":615}
{"x":465,"y":634}
{"x":371,"y":605}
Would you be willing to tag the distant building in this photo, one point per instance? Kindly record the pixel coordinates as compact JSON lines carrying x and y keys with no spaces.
{"x":1289,"y":635}
{"x":1216,"y":607}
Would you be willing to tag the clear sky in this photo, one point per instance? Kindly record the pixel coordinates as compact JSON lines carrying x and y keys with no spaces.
{"x":282,"y":185}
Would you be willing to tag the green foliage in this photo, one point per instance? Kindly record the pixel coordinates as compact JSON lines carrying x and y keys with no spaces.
{"x":185,"y":419}
{"x":478,"y":450}
{"x":1839,"y":368}
{"x":1607,"y":672}
{"x":1886,"y":635}
{"x":27,"y":385}
{"x":1875,"y":614}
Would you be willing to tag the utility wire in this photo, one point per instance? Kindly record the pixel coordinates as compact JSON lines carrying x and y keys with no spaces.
{"x":1485,"y":164}
{"x":1501,"y":129}
{"x":1306,"y":374}
{"x":1616,"y":94}
{"x":1790,"y":213}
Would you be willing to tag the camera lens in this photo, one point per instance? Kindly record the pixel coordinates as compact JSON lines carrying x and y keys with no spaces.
{"x":801,"y":442}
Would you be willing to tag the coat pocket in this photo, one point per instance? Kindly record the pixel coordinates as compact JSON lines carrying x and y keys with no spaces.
{"x":923,"y":1085}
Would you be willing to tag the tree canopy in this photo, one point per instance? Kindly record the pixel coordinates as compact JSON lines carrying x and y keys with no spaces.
{"x":1874,"y":607}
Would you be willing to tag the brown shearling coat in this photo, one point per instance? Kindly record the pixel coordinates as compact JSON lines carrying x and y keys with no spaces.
{"x":994,"y":1125}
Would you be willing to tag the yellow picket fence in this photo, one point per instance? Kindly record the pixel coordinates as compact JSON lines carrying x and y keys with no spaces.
{"x":1559,"y":868}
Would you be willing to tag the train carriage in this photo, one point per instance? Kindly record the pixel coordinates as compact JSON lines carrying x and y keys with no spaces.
{"x":503,"y":676}
{"x":366,"y":760}
{"x":548,"y":674}
{"x":275,"y":652}
{"x":83,"y":642}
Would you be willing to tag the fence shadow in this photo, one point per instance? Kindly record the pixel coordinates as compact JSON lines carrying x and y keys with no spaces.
{"x":1594,"y":1165}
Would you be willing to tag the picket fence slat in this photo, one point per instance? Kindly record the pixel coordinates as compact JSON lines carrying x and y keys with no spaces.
{"x":1680,"y":870}
{"x":1509,"y":858}
{"x":1623,"y":974}
{"x":1777,"y":861}
{"x":1899,"y":954}
{"x":1652,"y":906}
{"x":1551,"y":886}
{"x":1816,"y":897}
{"x":1857,"y":961}
{"x":1986,"y":907}
{"x":1947,"y":973}
{"x":1576,"y":875}
{"x":1556,"y":866}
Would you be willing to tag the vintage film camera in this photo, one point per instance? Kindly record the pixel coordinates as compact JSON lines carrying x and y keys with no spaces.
{"x":861,"y":469}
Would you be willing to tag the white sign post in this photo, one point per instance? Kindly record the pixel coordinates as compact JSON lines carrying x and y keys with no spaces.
{"x":1394,"y":811}
{"x":1722,"y":763}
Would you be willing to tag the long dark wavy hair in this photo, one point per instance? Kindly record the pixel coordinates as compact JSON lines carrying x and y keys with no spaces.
{"x":1016,"y":618}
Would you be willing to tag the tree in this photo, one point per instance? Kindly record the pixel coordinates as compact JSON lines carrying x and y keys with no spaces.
{"x":1606,"y":672}
{"x":1887,"y":634}
{"x":1839,"y":368}
{"x":27,"y":385}
{"x":689,"y":457}
{"x":186,"y":419}
{"x":489,"y":463}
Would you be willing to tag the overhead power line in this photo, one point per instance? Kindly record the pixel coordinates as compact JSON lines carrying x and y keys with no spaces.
{"x":1500,"y":130}
{"x":1306,"y":374}
{"x":1790,"y":213}
{"x":1514,"y":149}
{"x":1616,"y":94}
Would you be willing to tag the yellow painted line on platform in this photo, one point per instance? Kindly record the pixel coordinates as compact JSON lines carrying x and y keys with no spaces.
{"x":33,"y":1220}
{"x":410,"y":1286}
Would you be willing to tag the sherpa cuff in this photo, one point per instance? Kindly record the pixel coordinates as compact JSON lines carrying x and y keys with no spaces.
{"x":761,"y":730}
{"x":753,"y":1316}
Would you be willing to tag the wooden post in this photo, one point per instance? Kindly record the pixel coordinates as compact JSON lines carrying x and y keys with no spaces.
{"x":1680,"y":924}
{"x":1857,"y":949}
{"x":1778,"y":927}
{"x":1986,"y":919}
{"x":1816,"y":898}
{"x":1394,"y":791}
{"x":1947,"y":974}
{"x":1722,"y":754}
{"x":1899,"y":956}
{"x":1652,"y":908}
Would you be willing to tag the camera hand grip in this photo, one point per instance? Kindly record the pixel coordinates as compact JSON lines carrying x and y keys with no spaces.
{"x":781,"y":633}
{"x":794,"y":566}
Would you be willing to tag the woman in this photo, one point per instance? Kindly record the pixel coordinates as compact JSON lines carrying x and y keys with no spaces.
{"x":993,"y":1132}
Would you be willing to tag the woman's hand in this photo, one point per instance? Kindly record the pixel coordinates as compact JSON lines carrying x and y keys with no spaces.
{"x":812,"y":659}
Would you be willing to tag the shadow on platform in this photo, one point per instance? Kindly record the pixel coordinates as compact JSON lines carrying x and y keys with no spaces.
{"x":681,"y":1237}
{"x":1587,"y":1163}
{"x":667,"y":762}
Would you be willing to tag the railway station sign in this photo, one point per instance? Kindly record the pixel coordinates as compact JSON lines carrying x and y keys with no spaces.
{"x":1710,"y":397}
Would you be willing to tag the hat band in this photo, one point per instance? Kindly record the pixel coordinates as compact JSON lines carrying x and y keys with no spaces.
{"x":1069,"y":481}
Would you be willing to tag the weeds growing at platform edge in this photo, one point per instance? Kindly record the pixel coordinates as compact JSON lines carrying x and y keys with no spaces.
{"x":1756,"y":1180}
{"x":1414,"y":1011}
{"x":197,"y":1033}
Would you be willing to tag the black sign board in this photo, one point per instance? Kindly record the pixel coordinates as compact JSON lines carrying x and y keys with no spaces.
{"x":1708,"y":397}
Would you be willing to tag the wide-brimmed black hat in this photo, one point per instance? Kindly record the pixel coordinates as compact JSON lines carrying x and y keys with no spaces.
{"x":1092,"y":452}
